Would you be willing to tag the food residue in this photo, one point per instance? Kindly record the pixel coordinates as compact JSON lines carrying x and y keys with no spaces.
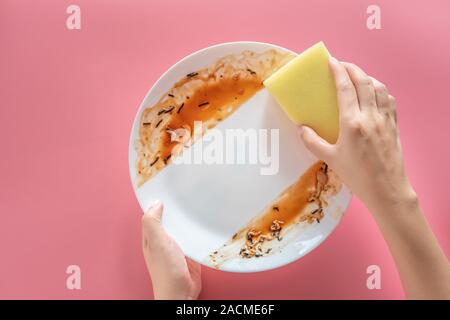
{"x":208,"y":95}
{"x":304,"y":201}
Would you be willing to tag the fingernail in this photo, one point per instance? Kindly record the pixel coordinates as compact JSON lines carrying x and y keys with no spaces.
{"x":334,"y":59}
{"x":154,"y":205}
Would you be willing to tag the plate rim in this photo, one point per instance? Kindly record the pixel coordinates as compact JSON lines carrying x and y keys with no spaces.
{"x":274,"y":265}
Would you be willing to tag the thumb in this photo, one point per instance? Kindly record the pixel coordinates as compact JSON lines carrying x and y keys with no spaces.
{"x":151,"y":220}
{"x":155,"y":211}
{"x":314,"y":143}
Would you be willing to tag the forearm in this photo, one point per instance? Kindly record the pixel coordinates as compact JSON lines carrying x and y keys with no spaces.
{"x":423,"y":267}
{"x":368,"y":158}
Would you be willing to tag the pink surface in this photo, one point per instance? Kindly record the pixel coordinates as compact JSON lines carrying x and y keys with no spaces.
{"x":68,"y":99}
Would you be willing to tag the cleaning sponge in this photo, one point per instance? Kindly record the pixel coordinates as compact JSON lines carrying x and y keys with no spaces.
{"x":306,"y":90}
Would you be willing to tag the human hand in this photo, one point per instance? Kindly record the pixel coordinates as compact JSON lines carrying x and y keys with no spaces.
{"x":367,"y":155}
{"x":174,"y":277}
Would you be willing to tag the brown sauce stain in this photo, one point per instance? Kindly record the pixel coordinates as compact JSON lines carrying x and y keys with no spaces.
{"x":210,"y":101}
{"x":208,"y":95}
{"x":303,"y":201}
{"x":291,"y":201}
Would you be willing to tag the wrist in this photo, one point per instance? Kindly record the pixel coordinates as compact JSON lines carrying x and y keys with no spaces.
{"x":403,"y":201}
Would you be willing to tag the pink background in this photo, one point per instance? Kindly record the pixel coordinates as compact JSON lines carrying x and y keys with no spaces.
{"x":68,"y":99}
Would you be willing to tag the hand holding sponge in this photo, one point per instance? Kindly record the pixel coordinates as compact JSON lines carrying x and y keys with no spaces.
{"x":306,"y":90}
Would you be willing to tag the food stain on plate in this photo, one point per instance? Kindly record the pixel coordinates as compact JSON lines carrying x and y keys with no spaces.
{"x":208,"y":95}
{"x":303,"y":202}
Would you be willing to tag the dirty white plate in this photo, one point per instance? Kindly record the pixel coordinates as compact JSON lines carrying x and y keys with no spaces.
{"x":206,"y":204}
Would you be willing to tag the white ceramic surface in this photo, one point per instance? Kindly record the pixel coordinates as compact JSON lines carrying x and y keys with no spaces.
{"x":206,"y":204}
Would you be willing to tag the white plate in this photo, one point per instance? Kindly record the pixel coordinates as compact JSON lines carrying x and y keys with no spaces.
{"x":206,"y":204}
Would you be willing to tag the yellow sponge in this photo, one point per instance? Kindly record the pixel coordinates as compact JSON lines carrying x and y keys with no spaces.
{"x":306,"y":90}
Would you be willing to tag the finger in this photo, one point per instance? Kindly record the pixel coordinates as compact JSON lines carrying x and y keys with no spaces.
{"x":346,"y":93}
{"x":382,"y":95}
{"x":195,"y":268}
{"x":157,"y":243}
{"x":364,"y":87}
{"x":151,"y":223}
{"x":314,"y":143}
{"x":393,"y":107}
{"x":161,"y":253}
